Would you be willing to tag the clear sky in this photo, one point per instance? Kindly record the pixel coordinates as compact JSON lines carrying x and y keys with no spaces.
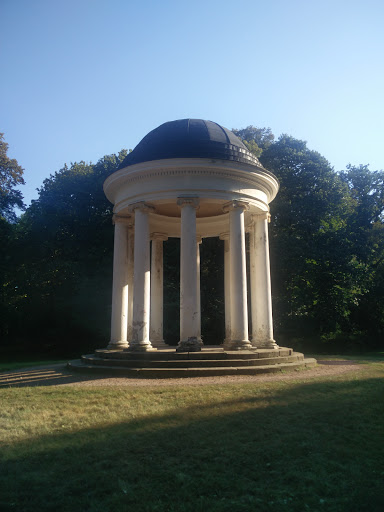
{"x":85,"y":78}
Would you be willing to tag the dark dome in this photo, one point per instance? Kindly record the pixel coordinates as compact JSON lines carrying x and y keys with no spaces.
{"x":190,"y":138}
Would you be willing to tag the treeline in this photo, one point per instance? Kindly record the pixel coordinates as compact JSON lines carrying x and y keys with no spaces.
{"x":326,"y":243}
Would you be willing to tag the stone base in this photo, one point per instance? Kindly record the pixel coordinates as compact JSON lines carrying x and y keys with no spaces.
{"x":117,"y":345}
{"x":189,"y":345}
{"x":140,"y":347}
{"x":159,"y":344}
{"x":238,"y":345}
{"x":208,"y":362}
{"x":270,"y":344}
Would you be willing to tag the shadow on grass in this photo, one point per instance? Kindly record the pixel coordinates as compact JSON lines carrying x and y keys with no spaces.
{"x":45,"y":375}
{"x":314,"y":446}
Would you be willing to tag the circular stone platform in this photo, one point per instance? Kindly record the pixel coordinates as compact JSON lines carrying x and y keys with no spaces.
{"x":210,"y":361}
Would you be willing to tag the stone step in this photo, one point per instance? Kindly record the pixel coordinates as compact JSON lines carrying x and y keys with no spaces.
{"x":215,"y":353}
{"x":154,"y":372}
{"x":190,"y":363}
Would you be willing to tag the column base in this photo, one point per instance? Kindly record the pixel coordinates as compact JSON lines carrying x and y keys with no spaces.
{"x":144,"y":346}
{"x":238,"y":345}
{"x":271,"y":344}
{"x":193,"y":344}
{"x":159,"y":344}
{"x":117,"y":345}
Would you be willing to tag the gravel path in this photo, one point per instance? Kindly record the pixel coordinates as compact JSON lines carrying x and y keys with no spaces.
{"x":59,"y":375}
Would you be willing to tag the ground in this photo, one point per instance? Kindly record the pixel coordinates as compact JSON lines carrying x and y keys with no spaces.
{"x":58,"y":374}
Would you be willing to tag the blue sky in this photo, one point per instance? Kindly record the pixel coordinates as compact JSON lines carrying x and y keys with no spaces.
{"x":82,"y":79}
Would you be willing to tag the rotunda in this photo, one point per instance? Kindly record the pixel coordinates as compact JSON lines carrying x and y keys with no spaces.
{"x":190,"y":179}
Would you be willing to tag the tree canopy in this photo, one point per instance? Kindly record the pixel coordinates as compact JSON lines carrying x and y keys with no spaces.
{"x":326,"y":229}
{"x":11,"y":175}
{"x":256,"y":139}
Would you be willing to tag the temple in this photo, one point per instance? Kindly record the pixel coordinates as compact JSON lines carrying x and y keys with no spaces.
{"x":190,"y":179}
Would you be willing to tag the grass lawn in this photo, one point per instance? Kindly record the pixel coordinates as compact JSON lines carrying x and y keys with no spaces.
{"x":311,"y":444}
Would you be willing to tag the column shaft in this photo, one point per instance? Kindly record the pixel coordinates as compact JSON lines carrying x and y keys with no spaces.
{"x":261,"y":298}
{"x":119,"y":315}
{"x":238,"y":279}
{"x":189,"y":323}
{"x":141,"y":282}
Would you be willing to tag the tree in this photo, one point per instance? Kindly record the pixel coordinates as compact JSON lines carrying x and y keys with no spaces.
{"x":11,"y":175}
{"x":314,"y":276}
{"x":365,"y":235}
{"x":256,"y":139}
{"x":64,"y":247}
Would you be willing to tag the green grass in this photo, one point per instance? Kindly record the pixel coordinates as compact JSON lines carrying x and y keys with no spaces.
{"x":310,"y":444}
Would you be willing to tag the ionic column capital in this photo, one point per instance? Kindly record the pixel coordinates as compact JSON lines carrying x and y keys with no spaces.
{"x":142,"y":206}
{"x":158,"y":236}
{"x":234,"y":205}
{"x":261,"y":216}
{"x":122,"y":219}
{"x":192,"y":201}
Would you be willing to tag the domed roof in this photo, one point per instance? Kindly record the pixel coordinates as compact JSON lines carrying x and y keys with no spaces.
{"x":190,"y":138}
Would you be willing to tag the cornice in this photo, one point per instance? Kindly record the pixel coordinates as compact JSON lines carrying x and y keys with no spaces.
{"x":258,"y":177}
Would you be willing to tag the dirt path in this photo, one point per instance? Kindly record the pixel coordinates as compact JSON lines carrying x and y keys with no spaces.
{"x":59,"y":375}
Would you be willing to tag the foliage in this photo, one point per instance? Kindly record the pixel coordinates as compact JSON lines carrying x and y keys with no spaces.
{"x":172,"y":291}
{"x":256,"y":139}
{"x":326,"y":246}
{"x":63,"y":282}
{"x":366,"y":238}
{"x":11,"y":175}
{"x":212,"y":290}
{"x":309,"y":214}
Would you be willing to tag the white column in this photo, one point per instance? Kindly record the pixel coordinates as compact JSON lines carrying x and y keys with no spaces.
{"x":141,"y":280}
{"x":119,"y":316}
{"x":227,"y":287}
{"x":261,"y":298}
{"x":238,"y":277}
{"x":156,"y":328}
{"x":189,"y":324}
{"x":198,"y":243}
{"x":131,"y":248}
